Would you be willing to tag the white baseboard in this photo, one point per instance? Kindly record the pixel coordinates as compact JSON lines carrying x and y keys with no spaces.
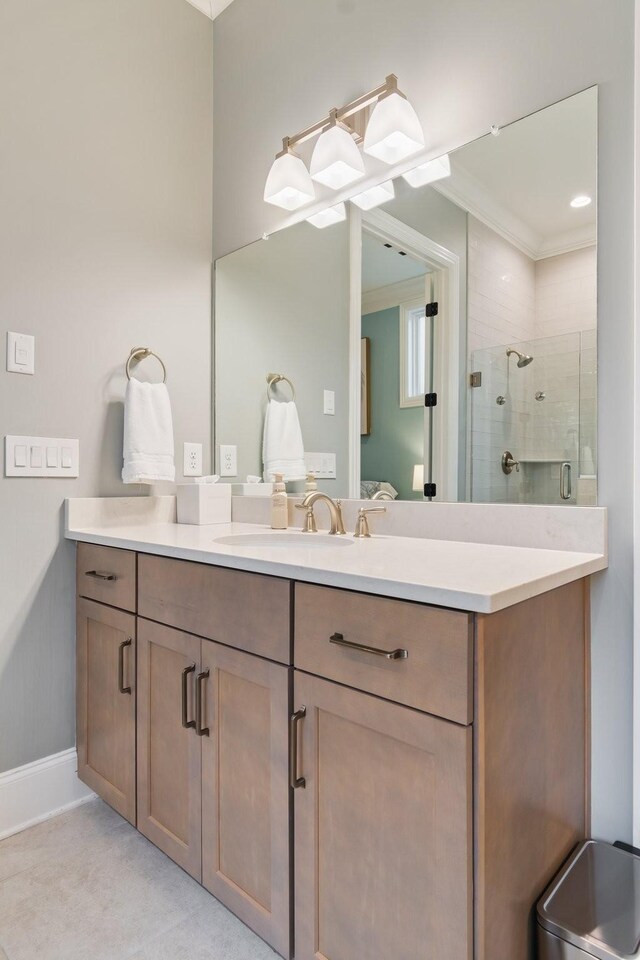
{"x":39,"y":790}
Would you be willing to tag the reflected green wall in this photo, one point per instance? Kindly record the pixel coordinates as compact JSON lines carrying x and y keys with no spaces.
{"x":397,"y":433}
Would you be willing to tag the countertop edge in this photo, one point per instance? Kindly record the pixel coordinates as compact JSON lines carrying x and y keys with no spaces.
{"x":467,"y":601}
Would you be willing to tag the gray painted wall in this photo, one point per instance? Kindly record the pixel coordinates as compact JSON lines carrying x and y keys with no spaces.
{"x":465,"y":65}
{"x":282,"y":306}
{"x":396,"y":441}
{"x":105,"y":244}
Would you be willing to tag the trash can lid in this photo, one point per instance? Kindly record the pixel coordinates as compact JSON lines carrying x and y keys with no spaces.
{"x":594,"y":902}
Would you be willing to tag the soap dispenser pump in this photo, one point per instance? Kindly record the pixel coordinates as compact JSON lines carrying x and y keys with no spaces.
{"x":279,"y":508}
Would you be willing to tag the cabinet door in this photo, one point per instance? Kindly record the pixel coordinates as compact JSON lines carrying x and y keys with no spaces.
{"x":245,"y":789}
{"x":169,"y":753}
{"x":383,"y":850}
{"x":106,"y":704}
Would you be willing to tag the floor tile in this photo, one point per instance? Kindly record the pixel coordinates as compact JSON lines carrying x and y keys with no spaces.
{"x":211,"y":934}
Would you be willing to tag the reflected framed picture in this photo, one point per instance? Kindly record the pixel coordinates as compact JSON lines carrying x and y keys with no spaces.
{"x":365,"y":386}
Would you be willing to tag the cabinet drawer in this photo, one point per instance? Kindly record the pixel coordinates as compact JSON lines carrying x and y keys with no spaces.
{"x":106,"y":574}
{"x":245,"y":610}
{"x":435,"y":676}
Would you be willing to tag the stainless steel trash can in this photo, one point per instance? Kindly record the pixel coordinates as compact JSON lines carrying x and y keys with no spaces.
{"x":592,"y":908}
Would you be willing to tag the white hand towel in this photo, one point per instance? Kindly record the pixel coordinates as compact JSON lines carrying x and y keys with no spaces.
{"x":148,"y":433}
{"x":282,"y":447}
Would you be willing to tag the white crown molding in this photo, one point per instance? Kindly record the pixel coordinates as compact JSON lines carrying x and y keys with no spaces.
{"x":393,"y":294}
{"x":211,"y":8}
{"x":39,"y":790}
{"x":467,"y":193}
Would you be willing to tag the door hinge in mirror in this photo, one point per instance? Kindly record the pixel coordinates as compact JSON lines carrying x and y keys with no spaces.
{"x":431,"y":310}
{"x":475,"y":379}
{"x":431,"y":399}
{"x":429,"y":489}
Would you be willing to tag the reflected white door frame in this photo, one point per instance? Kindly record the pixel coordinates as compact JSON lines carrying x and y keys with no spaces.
{"x":445,"y":267}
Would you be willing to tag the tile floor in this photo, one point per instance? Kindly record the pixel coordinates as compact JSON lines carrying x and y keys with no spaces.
{"x":87,"y":886}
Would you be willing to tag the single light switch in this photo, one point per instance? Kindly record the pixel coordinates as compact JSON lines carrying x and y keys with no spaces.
{"x":330,"y":402}
{"x":66,"y":459}
{"x":20,"y":455}
{"x":52,"y":456}
{"x":21,"y":349}
{"x":35,"y":459}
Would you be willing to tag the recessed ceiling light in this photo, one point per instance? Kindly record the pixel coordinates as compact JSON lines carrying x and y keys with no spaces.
{"x":582,"y":200}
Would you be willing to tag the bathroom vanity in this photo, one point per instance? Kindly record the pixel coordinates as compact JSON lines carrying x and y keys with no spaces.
{"x":354,"y":771}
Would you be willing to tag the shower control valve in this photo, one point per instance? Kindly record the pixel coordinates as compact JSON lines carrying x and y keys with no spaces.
{"x":508,"y":463}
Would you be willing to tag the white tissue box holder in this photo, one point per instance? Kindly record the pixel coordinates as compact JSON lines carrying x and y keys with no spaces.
{"x":253,"y":489}
{"x":203,"y":503}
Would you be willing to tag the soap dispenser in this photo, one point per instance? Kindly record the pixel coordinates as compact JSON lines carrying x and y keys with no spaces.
{"x":311,"y":484}
{"x":279,"y":508}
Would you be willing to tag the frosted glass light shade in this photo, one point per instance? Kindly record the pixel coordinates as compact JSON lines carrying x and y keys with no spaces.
{"x":336,"y":160}
{"x":326,"y":218}
{"x":429,"y":172}
{"x":288,"y":185}
{"x":374,"y":196}
{"x":394,"y":131}
{"x":418,"y":477}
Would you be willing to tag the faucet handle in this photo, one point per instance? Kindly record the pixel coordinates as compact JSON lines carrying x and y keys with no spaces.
{"x":362,"y":523}
{"x":309,"y":525}
{"x":339,"y":518}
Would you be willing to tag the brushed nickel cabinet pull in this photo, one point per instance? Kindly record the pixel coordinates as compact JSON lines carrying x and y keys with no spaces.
{"x":96,"y":575}
{"x":294,"y":779}
{"x":121,"y":648}
{"x":186,"y":723}
{"x":200,"y":730}
{"x":398,"y":654}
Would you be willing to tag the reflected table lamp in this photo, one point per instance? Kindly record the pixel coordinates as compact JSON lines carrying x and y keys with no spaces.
{"x":418,"y":478}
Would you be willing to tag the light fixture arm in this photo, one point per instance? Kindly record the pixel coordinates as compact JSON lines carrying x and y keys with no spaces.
{"x":340,"y":114}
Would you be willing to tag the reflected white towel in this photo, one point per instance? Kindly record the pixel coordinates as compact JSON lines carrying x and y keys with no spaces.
{"x":148,"y":434}
{"x":282,"y":447}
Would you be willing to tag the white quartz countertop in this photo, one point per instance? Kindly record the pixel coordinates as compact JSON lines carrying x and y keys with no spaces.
{"x":466,"y":576}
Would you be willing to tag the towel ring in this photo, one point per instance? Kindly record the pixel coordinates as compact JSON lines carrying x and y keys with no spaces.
{"x":273,"y":378}
{"x":141,"y":353}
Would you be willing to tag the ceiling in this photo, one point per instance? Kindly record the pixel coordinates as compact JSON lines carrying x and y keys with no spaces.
{"x":521,"y":182}
{"x":212,"y":8}
{"x":382,"y":266}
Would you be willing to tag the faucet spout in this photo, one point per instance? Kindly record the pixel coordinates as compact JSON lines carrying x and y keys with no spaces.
{"x":334,"y":507}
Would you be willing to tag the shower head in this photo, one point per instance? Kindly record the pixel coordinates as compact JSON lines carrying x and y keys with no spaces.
{"x":523,"y":359}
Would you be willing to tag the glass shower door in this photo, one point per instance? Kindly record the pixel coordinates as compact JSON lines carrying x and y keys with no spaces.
{"x":527,"y":410}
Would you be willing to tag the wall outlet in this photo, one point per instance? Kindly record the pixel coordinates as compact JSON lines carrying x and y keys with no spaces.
{"x":192,"y":465}
{"x":228,"y":460}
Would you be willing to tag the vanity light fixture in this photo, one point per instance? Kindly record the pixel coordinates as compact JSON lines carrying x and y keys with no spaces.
{"x":336,"y":161}
{"x":328,"y":216}
{"x":288,"y":185}
{"x":429,"y":172}
{"x":374,"y":196}
{"x":393,"y":133}
{"x":582,"y":200}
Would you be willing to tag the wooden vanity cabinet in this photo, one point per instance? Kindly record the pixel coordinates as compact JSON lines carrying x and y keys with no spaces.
{"x":383,"y":839}
{"x":106,"y":703}
{"x":428,"y":767}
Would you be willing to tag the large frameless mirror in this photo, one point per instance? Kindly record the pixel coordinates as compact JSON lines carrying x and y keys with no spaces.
{"x":440,"y":346}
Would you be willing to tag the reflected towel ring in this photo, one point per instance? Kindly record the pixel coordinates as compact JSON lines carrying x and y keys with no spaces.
{"x":273,"y":378}
{"x":141,"y":353}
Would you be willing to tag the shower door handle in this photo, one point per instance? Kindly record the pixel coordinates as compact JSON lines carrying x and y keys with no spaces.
{"x":565,"y":481}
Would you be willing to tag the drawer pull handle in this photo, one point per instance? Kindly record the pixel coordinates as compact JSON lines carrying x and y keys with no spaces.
{"x":200,"y":730}
{"x":186,"y":723}
{"x":294,"y":779}
{"x":121,"y":648}
{"x":96,"y":575}
{"x":397,"y":654}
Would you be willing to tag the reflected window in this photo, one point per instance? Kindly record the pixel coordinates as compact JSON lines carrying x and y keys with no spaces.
{"x":413,"y":351}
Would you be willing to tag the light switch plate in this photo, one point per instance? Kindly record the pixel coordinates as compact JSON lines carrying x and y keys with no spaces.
{"x":330,"y":402}
{"x":228,"y":460}
{"x":21,"y":352}
{"x":24,"y":457}
{"x":321,"y":465}
{"x":192,"y":460}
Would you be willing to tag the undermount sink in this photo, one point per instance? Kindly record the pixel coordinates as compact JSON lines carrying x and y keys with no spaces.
{"x":284,"y":539}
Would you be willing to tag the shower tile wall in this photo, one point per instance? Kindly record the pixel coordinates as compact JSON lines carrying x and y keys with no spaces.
{"x":546,"y":308}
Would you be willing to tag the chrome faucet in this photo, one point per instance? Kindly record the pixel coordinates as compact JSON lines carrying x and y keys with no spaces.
{"x":335,"y":512}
